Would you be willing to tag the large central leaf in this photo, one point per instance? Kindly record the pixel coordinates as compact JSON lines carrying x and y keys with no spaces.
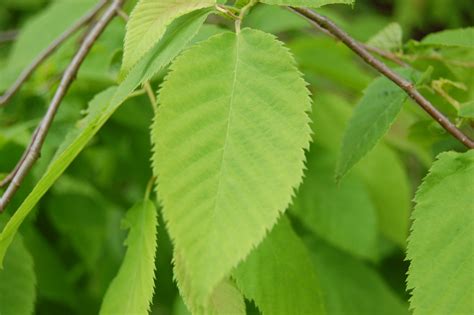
{"x":229,"y":137}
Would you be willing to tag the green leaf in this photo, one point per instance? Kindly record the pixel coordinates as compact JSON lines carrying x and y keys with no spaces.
{"x":467,"y":110}
{"x":230,"y":151}
{"x":389,"y":38}
{"x":101,"y":109}
{"x":279,"y":276}
{"x":306,"y":3}
{"x":372,"y":118}
{"x":463,"y":37}
{"x":177,"y":36}
{"x":440,"y":247}
{"x":148,"y":23}
{"x":381,"y":169}
{"x":351,"y":287}
{"x":341,"y":214}
{"x":17,"y":281}
{"x":38,"y":33}
{"x":131,"y":291}
{"x":224,"y":299}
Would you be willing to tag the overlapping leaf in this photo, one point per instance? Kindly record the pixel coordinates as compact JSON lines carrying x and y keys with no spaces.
{"x":279,"y":275}
{"x":441,"y":244}
{"x":229,"y":137}
{"x":373,"y":116}
{"x":132,"y":289}
{"x":148,"y":22}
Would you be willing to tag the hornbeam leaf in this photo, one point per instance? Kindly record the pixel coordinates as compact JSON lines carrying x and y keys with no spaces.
{"x":279,"y":275}
{"x":132,"y":289}
{"x":372,"y":118}
{"x":307,"y":3}
{"x":148,"y":23}
{"x":441,"y":244}
{"x":229,"y":140}
{"x":463,"y":37}
{"x":101,"y":109}
{"x":17,"y":281}
{"x":389,"y":38}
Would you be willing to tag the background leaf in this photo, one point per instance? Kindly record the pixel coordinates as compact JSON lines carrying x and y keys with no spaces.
{"x":454,"y":38}
{"x":279,"y":277}
{"x":344,"y":214}
{"x":132,"y":289}
{"x":17,"y":280}
{"x":350,"y":287}
{"x":229,"y":151}
{"x":38,"y":33}
{"x":441,"y":272}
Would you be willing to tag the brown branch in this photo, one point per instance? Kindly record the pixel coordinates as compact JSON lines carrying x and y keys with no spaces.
{"x":321,"y":21}
{"x":34,"y":150}
{"x":48,"y":52}
{"x":8,"y":36}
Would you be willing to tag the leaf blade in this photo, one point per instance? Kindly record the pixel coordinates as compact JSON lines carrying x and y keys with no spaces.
{"x":148,"y":23}
{"x":441,"y":233}
{"x":196,"y":133}
{"x":279,"y":276}
{"x":131,"y":291}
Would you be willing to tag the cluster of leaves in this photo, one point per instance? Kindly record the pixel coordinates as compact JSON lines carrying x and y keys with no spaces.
{"x":276,"y":195}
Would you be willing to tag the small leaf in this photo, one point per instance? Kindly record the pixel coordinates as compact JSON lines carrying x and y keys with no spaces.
{"x":279,"y":275}
{"x":230,"y":151}
{"x":148,"y":23}
{"x":372,"y":118}
{"x":17,"y":280}
{"x":441,"y":243}
{"x":306,"y":3}
{"x":389,"y":38}
{"x":131,"y":291}
{"x":463,"y":37}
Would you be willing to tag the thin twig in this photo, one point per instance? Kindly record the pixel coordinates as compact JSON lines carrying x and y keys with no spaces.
{"x":407,"y":86}
{"x":69,"y":75}
{"x":8,"y":36}
{"x":12,"y":174}
{"x":48,"y":52}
